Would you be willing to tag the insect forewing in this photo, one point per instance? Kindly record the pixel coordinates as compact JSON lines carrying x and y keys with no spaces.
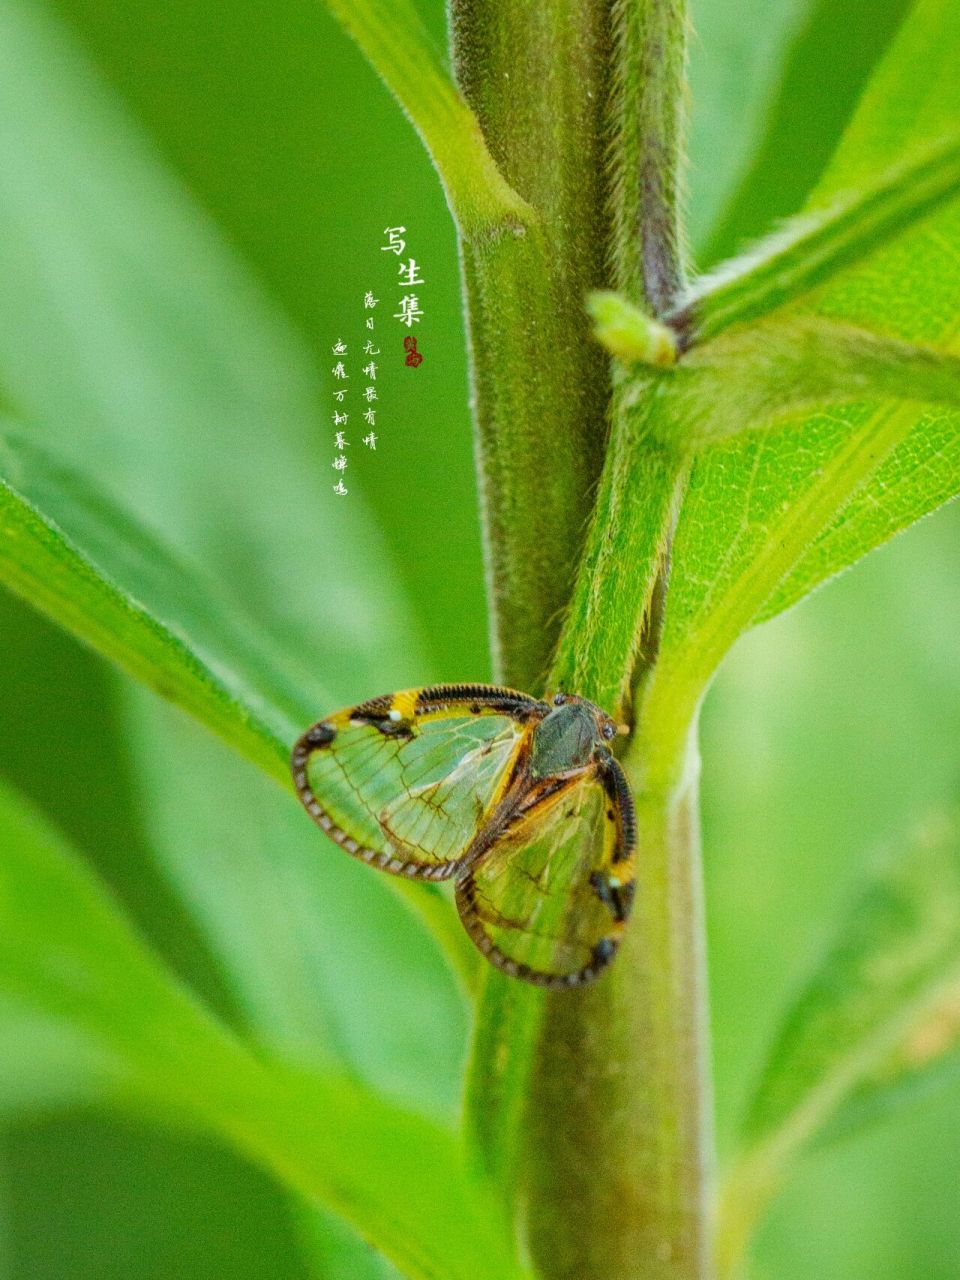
{"x":408,"y":794}
{"x":548,"y":902}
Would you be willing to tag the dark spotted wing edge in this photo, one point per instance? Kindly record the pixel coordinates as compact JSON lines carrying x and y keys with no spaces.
{"x":495,"y":699}
{"x":614,"y":782}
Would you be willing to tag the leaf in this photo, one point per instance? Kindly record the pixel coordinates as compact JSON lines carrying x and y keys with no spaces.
{"x":919,"y":476}
{"x":737,"y":50}
{"x":332,"y":1250}
{"x":45,"y":1063}
{"x":884,"y":1002}
{"x":815,"y":246}
{"x":288,"y":897}
{"x":149,"y":614}
{"x":136,"y":343}
{"x":162,"y":623}
{"x":326,"y":960}
{"x":98,"y":1196}
{"x":804,"y":62}
{"x":755,"y":507}
{"x":878,"y":1017}
{"x":137,"y":347}
{"x":763,"y":375}
{"x":117,"y":281}
{"x":68,"y":957}
{"x":58,"y":704}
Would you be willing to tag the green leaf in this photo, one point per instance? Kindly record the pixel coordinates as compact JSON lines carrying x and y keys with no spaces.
{"x":781,"y":93}
{"x":736,"y":55}
{"x":816,"y":246}
{"x":293,"y":610}
{"x":277,"y":909}
{"x":399,"y":47}
{"x":98,"y":574}
{"x":59,"y":703}
{"x":881,"y":1012}
{"x":764,"y":375}
{"x":141,"y":608}
{"x":46,"y":1064}
{"x":69,"y":958}
{"x":755,"y":507}
{"x":325,"y":959}
{"x":138,"y":348}
{"x":98,"y":1196}
{"x":919,"y":476}
{"x":884,"y":1002}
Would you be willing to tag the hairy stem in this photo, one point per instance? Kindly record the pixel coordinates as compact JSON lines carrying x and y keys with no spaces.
{"x":619,"y":1132}
{"x":535,"y":77}
{"x":647,"y":128}
{"x":620,"y":1110}
{"x":398,"y":46}
{"x":606,"y":1085}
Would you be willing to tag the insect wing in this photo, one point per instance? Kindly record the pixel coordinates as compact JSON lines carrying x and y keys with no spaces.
{"x":548,"y":902}
{"x":407,"y":795}
{"x":437,"y":817}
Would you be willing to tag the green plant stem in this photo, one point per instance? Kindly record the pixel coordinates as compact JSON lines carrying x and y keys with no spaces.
{"x":395,"y":41}
{"x":620,"y":1111}
{"x":626,"y":548}
{"x":619,"y":1130}
{"x":607,"y":1084}
{"x":535,"y":78}
{"x":646,"y":126}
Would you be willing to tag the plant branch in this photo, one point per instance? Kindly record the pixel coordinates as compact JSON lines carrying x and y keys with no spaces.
{"x":609,"y":1080}
{"x":621,"y":1115}
{"x":536,"y":79}
{"x":754,"y":378}
{"x":398,"y":46}
{"x":629,"y":539}
{"x":646,"y":128}
{"x":814,"y":247}
{"x":629,"y":333}
{"x":645,"y":161}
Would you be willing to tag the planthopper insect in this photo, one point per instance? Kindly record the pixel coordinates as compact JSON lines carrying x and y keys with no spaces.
{"x":519,"y":802}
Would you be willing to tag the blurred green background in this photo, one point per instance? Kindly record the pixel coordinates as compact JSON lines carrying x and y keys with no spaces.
{"x":192,"y":199}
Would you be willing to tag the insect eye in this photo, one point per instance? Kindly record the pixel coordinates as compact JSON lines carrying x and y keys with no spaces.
{"x":559,"y":699}
{"x":608,"y":731}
